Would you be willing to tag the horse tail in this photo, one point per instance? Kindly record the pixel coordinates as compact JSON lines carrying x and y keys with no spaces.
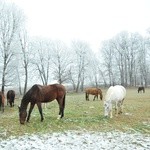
{"x":100,"y":93}
{"x":64,"y":100}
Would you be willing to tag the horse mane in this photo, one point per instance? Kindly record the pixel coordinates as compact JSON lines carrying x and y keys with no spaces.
{"x":32,"y":93}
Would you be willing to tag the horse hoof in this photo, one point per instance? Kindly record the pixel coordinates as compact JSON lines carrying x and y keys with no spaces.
{"x":59,"y":116}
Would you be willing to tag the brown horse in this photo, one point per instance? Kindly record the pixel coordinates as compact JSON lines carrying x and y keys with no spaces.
{"x":42,"y":94}
{"x":11,"y":97}
{"x":93,"y":91}
{"x":141,"y":88}
{"x":2,"y":101}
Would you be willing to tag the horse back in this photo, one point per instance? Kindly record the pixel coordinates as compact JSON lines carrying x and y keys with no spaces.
{"x":115,"y":93}
{"x":45,"y":93}
{"x":93,"y":91}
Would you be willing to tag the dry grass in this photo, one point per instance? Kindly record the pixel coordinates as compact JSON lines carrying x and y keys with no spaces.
{"x":81,"y":114}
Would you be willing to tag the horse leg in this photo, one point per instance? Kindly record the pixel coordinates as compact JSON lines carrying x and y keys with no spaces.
{"x":61,"y":112}
{"x":94,"y":98}
{"x":121,"y":107}
{"x":87,"y":97}
{"x":97,"y":96}
{"x":116,"y":109}
{"x":13,"y":103}
{"x":101,"y":96}
{"x":111,"y":113}
{"x":2,"y":107}
{"x":30,"y":110}
{"x":40,"y":110}
{"x":10,"y":103}
{"x":61,"y":109}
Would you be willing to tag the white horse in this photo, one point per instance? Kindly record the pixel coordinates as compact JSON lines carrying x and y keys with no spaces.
{"x":115,"y":95}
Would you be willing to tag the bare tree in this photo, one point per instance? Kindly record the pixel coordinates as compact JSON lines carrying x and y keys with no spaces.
{"x":60,"y":61}
{"x":80,"y":54}
{"x":23,"y":38}
{"x":11,"y":19}
{"x":108,"y":60}
{"x":42,"y":57}
{"x":125,"y":56}
{"x":131,"y":56}
{"x":143,"y":62}
{"x":119,"y":46}
{"x":92,"y":76}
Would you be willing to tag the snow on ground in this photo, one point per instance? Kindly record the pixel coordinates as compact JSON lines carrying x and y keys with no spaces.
{"x":77,"y":140}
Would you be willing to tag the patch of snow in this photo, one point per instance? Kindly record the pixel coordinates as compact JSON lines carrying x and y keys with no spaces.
{"x":77,"y":140}
{"x":128,"y":114}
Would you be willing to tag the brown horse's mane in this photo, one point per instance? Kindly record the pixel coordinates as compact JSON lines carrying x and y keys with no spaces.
{"x":30,"y":95}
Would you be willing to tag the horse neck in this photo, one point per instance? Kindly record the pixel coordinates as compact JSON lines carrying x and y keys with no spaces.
{"x":109,"y":104}
{"x":24,"y":103}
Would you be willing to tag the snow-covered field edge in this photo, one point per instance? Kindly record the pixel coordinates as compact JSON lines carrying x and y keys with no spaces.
{"x":78,"y":140}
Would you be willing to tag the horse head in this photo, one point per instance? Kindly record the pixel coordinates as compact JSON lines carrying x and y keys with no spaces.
{"x":22,"y":115}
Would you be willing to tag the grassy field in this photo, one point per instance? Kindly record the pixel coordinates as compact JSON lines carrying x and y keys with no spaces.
{"x":79,"y":115}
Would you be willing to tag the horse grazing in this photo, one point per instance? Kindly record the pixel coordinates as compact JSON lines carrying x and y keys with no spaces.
{"x":2,"y":101}
{"x":93,"y":91}
{"x":10,"y":98}
{"x":141,"y":88}
{"x":114,"y":95}
{"x":42,"y":94}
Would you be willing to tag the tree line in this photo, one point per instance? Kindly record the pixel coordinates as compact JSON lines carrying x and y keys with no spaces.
{"x":26,"y":60}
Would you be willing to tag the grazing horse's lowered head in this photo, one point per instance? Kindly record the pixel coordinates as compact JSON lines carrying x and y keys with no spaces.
{"x":22,"y":115}
{"x":39,"y":94}
{"x":114,"y":95}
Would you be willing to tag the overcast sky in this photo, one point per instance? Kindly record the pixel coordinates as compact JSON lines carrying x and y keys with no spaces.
{"x":88,"y":20}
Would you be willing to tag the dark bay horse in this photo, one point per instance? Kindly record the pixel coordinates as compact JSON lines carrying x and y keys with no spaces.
{"x":42,"y":94}
{"x":141,"y":88}
{"x":93,"y":91}
{"x":11,"y":97}
{"x":2,"y":101}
